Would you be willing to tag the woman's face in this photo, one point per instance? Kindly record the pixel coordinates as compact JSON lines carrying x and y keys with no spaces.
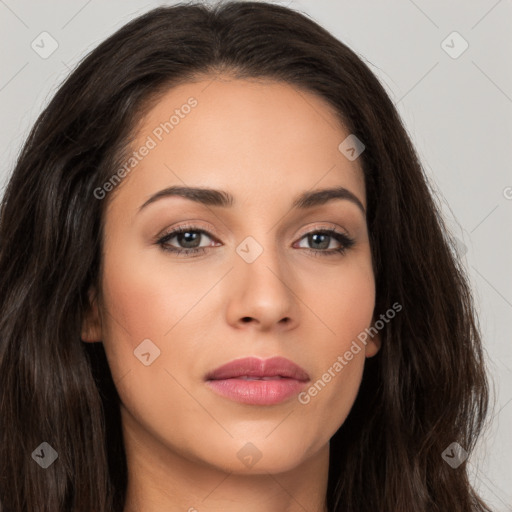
{"x":267,"y":282}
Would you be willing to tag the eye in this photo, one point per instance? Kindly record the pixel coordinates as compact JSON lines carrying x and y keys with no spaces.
{"x":188,"y":239}
{"x":321,"y":239}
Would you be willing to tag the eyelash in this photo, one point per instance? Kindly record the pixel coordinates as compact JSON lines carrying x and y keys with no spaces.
{"x":346,"y":242}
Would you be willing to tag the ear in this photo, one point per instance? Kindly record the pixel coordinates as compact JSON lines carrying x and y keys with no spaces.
{"x":373,"y":345}
{"x":91,"y":322}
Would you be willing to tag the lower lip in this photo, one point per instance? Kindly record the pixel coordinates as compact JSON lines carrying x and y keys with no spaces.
{"x":257,"y":392}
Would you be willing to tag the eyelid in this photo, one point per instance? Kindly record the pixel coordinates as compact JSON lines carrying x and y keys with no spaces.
{"x":210,"y":230}
{"x":324,"y":226}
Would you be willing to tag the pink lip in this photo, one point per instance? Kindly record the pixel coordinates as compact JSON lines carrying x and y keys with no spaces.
{"x":241,"y":380}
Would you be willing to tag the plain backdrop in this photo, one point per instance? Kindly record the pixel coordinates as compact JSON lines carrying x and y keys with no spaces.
{"x":446,"y":66}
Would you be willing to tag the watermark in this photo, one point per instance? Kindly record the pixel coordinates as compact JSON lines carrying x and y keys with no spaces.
{"x":507,"y":192}
{"x":44,"y":45}
{"x":151,"y":142}
{"x":351,"y":147}
{"x":460,"y":247}
{"x":45,"y":455}
{"x":249,"y":455}
{"x":454,"y":45}
{"x":249,"y":249}
{"x":304,"y":397}
{"x":454,"y":455}
{"x":146,"y":352}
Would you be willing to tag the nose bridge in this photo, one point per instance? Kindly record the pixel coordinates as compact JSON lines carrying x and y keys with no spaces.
{"x":261,"y":290}
{"x":260,"y":258}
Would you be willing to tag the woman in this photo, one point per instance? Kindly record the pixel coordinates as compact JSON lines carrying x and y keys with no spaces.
{"x":143,"y":370}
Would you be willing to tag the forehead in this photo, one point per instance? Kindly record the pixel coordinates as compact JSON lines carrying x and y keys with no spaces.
{"x":256,"y":138}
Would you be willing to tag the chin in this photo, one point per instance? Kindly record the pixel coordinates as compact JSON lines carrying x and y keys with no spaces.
{"x":259,"y":456}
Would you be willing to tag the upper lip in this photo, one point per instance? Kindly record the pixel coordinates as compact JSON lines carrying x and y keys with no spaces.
{"x":255,"y":367}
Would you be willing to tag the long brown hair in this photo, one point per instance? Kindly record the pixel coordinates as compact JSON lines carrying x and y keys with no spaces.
{"x":425,"y":389}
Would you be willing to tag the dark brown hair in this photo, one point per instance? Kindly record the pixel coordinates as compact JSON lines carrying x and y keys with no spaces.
{"x":425,"y":389}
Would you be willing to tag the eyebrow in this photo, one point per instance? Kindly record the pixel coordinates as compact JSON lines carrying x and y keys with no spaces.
{"x":223,"y":199}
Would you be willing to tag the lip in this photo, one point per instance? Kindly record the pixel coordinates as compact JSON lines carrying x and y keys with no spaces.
{"x":255,"y":381}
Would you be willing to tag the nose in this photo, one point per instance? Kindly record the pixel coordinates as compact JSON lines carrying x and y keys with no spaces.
{"x":261,"y":292}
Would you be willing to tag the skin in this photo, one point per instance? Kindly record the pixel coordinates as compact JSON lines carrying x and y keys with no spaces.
{"x":265,"y":143}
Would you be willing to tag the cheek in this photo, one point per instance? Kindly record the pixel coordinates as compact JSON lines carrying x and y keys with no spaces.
{"x":344,"y":302}
{"x":153,"y":306}
{"x":145,"y":300}
{"x":137,"y":307}
{"x":143,"y":307}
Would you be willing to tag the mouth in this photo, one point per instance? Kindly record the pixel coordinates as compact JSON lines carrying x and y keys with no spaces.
{"x":256,"y":381}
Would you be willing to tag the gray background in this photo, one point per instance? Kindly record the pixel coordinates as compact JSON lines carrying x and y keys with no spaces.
{"x":457,"y":110}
